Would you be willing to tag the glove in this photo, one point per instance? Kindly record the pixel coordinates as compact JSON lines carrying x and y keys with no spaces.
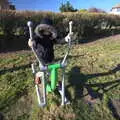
{"x":68,"y":37}
{"x":31,"y":43}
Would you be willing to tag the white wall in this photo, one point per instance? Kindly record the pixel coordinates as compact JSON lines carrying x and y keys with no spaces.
{"x":115,"y":11}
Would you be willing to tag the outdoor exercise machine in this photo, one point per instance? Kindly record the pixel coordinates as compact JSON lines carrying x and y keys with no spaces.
{"x":50,"y":84}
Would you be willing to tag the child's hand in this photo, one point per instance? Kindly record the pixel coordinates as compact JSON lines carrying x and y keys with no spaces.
{"x":68,"y":37}
{"x":31,"y":43}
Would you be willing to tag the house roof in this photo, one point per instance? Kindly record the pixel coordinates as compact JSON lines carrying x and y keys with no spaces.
{"x":116,"y":6}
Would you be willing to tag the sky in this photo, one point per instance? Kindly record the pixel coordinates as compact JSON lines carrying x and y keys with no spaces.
{"x":53,"y":5}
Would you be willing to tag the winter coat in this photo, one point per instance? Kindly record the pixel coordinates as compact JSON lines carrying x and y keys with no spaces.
{"x":44,"y":48}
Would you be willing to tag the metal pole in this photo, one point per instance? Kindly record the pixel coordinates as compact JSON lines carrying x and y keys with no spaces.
{"x":44,"y":88}
{"x":41,"y":97}
{"x":63,"y":87}
{"x":38,"y":94}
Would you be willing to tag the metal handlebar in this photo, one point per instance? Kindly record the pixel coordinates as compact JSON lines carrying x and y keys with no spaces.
{"x":70,"y":31}
{"x":69,"y":43}
{"x":30,"y":25}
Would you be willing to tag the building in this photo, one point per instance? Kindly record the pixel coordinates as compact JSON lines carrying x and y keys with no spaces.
{"x":5,"y":5}
{"x":115,"y":10}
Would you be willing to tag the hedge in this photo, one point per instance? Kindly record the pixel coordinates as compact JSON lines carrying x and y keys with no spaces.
{"x":86,"y":24}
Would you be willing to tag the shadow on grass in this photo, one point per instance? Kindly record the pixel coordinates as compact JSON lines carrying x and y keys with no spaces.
{"x":19,"y":90}
{"x":11,"y":100}
{"x":78,"y":81}
{"x":3,"y":71}
{"x":114,"y":106}
{"x":20,"y":42}
{"x":103,"y":34}
{"x":1,"y":116}
{"x":13,"y":43}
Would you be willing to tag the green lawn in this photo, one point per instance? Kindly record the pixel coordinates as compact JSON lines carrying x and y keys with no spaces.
{"x":92,"y":80}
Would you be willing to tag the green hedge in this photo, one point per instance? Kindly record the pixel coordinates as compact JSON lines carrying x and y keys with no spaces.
{"x":86,"y":24}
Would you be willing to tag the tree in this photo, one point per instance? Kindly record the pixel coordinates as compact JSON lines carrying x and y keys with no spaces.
{"x":12,"y":7}
{"x":67,"y":7}
{"x":83,"y":10}
{"x":4,"y":4}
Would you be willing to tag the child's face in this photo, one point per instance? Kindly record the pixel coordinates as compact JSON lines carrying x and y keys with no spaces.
{"x":45,"y":33}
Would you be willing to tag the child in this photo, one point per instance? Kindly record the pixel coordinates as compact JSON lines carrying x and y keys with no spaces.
{"x":44,"y":39}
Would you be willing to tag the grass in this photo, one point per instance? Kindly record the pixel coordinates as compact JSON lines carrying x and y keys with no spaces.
{"x":92,"y":79}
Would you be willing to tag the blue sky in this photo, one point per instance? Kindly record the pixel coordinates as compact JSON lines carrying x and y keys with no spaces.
{"x":53,"y":5}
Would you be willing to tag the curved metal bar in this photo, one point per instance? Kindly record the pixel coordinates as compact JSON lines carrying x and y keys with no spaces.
{"x":41,"y":97}
{"x":69,"y":43}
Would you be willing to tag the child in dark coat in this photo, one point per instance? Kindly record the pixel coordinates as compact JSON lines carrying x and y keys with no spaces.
{"x":44,"y":40}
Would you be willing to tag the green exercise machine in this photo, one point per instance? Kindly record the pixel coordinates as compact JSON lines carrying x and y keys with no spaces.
{"x":50,"y":84}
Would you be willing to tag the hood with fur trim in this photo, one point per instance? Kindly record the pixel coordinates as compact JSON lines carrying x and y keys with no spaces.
{"x":45,"y":27}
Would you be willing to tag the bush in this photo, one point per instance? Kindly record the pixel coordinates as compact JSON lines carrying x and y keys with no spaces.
{"x":9,"y":21}
{"x":86,"y":25}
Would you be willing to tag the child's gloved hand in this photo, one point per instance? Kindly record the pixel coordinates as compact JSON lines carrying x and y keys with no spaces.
{"x":31,"y":43}
{"x":68,"y":37}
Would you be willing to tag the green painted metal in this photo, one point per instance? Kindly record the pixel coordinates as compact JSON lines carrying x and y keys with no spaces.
{"x":53,"y":77}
